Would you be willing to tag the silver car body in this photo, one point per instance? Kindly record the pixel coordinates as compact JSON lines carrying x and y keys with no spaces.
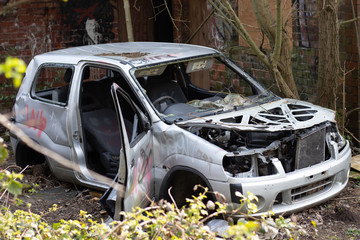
{"x":288,"y":152}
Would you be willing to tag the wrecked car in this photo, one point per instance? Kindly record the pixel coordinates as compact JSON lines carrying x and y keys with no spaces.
{"x":163,"y":116}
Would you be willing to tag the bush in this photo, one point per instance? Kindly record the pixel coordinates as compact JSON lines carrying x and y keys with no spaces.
{"x":163,"y":220}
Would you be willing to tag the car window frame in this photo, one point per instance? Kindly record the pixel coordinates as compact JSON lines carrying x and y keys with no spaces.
{"x":36,"y":77}
{"x":132,"y":86}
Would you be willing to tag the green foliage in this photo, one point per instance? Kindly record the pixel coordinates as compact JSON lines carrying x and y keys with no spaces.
{"x":163,"y":220}
{"x":158,"y":221}
{"x":352,"y":232}
{"x":13,"y":68}
{"x":166,"y":221}
{"x":3,"y":152}
{"x":8,"y":180}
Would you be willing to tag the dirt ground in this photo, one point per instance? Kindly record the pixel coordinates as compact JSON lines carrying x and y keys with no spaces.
{"x":338,"y":218}
{"x":42,"y":190}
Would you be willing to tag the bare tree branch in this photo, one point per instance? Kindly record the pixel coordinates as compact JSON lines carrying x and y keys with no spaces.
{"x":278,"y":34}
{"x":240,"y":28}
{"x":12,"y":5}
{"x":349,"y":21}
{"x":129,"y":28}
{"x":278,"y":61}
{"x":200,"y":26}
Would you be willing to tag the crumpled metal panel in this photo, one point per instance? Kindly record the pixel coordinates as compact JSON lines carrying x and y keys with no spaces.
{"x":176,"y":146}
{"x":284,"y":114}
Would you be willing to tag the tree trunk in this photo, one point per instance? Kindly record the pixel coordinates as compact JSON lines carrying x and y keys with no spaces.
{"x":129,"y":28}
{"x":281,"y":65}
{"x":278,"y":60}
{"x":329,"y":63}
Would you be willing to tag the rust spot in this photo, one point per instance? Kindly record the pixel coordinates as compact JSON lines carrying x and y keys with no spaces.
{"x":127,"y":55}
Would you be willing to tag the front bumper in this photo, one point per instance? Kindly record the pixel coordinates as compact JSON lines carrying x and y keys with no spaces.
{"x":285,"y":193}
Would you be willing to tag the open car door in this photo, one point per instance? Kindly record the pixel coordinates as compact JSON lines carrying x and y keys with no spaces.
{"x":136,"y":157}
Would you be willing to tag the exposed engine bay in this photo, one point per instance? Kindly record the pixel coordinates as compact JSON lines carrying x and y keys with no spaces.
{"x":251,"y":152}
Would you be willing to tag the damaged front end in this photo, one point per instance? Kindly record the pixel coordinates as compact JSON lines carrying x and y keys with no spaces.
{"x":289,"y":154}
{"x":251,"y":153}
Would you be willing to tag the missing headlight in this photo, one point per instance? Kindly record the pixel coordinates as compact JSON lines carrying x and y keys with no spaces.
{"x":238,"y":164}
{"x":248,"y":166}
{"x":265,"y":167}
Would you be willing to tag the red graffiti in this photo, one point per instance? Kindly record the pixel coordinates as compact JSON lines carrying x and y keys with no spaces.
{"x":86,"y":12}
{"x":36,"y":121}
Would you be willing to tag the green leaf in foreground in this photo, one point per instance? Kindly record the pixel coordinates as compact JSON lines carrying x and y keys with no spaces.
{"x":3,"y":154}
{"x":14,"y":187}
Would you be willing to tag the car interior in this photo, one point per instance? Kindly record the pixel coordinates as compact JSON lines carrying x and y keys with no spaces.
{"x":169,"y":90}
{"x":102,"y":140}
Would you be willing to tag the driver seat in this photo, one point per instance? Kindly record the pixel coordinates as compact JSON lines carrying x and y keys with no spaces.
{"x":160,"y":86}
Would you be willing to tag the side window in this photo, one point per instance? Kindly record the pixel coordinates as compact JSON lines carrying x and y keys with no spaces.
{"x":53,"y":83}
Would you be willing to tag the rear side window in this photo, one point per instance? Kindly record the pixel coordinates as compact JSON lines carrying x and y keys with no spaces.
{"x":53,"y":83}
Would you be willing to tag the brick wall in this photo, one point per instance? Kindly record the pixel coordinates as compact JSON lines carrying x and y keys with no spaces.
{"x":305,"y":48}
{"x":44,"y":25}
{"x":349,"y":60}
{"x":26,"y":31}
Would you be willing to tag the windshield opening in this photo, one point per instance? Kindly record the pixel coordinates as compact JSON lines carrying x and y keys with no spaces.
{"x":197,"y":87}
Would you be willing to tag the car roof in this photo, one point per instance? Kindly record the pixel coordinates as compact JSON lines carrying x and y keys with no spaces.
{"x":135,"y":53}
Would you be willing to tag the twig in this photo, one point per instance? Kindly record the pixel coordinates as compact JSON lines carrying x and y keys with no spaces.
{"x":172,"y":199}
{"x":349,"y":21}
{"x":15,"y":179}
{"x":345,"y":198}
{"x":351,"y":111}
{"x":352,"y":135}
{"x":12,"y":5}
{"x":172,"y":19}
{"x":200,"y":26}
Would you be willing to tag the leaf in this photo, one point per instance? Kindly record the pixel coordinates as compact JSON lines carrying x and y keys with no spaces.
{"x":3,"y":154}
{"x":56,"y":226}
{"x":13,"y":68}
{"x":313,"y":223}
{"x":14,"y":187}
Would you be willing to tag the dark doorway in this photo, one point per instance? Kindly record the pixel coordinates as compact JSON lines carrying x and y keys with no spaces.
{"x":163,"y":28}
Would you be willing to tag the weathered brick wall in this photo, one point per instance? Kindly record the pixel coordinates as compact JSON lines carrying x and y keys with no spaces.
{"x":349,"y":54}
{"x":44,"y":25}
{"x":41,"y":26}
{"x":26,"y":31}
{"x":349,"y":59}
{"x":305,"y":48}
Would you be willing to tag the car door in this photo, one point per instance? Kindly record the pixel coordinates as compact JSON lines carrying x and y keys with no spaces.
{"x":136,"y":170}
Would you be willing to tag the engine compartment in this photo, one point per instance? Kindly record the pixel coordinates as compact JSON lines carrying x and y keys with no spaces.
{"x":251,"y":153}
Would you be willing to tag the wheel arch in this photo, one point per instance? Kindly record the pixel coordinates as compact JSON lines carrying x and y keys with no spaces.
{"x":192,"y":176}
{"x":25,"y":155}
